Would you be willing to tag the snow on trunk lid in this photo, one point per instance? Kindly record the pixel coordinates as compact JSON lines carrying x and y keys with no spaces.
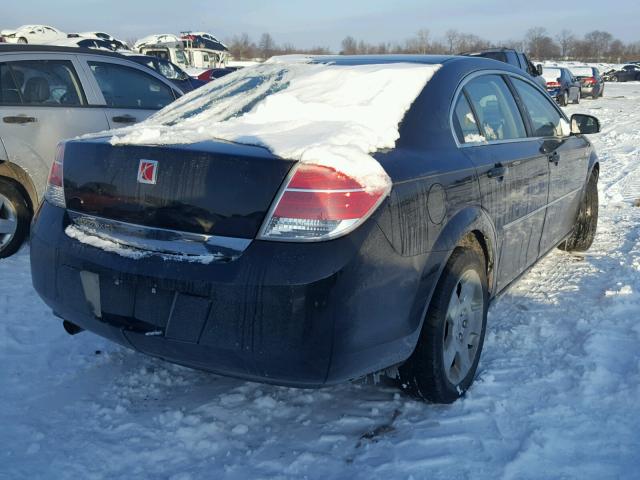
{"x":323,"y":114}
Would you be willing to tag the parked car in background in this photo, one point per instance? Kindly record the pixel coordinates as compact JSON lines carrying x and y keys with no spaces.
{"x":214,"y":73}
{"x":103,"y":40}
{"x":630,"y":72}
{"x":512,"y":57}
{"x":591,"y":82}
{"x":37,"y":34}
{"x":81,"y":42}
{"x":562,"y":85}
{"x":225,"y":256}
{"x":48,"y":94}
{"x":166,"y":46}
{"x":168,"y":70}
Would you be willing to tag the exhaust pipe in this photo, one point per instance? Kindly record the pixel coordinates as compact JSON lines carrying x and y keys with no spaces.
{"x":71,"y":328}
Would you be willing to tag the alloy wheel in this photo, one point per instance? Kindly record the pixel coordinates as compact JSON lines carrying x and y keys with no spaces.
{"x":8,"y":221}
{"x":463,"y":327}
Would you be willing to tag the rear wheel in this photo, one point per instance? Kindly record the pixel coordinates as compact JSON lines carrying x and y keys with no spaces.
{"x":584,"y":230}
{"x":445,"y":360}
{"x":14,"y":218}
{"x":22,"y":40}
{"x":614,"y":79}
{"x":564,"y":99}
{"x":577,"y":100}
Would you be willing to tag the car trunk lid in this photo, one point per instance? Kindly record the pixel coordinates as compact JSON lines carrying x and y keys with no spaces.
{"x":210,"y":188}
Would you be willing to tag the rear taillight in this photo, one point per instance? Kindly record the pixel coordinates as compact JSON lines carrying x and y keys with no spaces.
{"x":590,"y":80}
{"x":319,"y":203}
{"x":55,"y":185}
{"x":553,"y":84}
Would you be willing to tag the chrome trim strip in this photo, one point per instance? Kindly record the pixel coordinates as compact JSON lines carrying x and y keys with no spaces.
{"x":540,"y":209}
{"x":159,"y":240}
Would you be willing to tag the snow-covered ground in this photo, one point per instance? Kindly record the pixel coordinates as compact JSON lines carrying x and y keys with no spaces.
{"x":557,"y":394}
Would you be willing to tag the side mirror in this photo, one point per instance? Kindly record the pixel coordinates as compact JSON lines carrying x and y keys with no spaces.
{"x":584,"y":124}
{"x":539,"y":69}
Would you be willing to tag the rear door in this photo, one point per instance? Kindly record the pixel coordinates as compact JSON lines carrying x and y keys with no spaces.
{"x":130,"y":93}
{"x":512,"y":173}
{"x":43,"y":101}
{"x":567,"y":156}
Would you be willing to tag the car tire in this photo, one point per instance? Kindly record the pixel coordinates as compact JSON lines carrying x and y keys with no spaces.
{"x":14,"y":218}
{"x":564,"y":99}
{"x":22,"y":40}
{"x":444,"y":362}
{"x":584,"y":230}
{"x":577,"y":100}
{"x":614,"y":79}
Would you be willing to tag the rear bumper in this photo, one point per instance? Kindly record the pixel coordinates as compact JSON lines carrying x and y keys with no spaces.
{"x":292,"y":314}
{"x":555,"y":93}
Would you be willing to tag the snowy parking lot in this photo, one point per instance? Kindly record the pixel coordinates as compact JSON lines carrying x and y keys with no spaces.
{"x":557,"y":394}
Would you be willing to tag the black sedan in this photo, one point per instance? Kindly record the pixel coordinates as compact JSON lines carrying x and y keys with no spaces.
{"x":627,"y":73}
{"x":226,"y":257}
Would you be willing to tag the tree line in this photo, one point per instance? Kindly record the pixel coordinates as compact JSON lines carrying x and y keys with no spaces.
{"x":594,"y":46}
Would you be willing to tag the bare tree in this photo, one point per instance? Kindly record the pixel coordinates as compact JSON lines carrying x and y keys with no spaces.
{"x":241,"y":47}
{"x":422,"y":41}
{"x":267,"y":46}
{"x":540,"y":45}
{"x":616,"y":51}
{"x":599,"y":42}
{"x":349,"y":46}
{"x":565,"y":40}
{"x":452,"y":38}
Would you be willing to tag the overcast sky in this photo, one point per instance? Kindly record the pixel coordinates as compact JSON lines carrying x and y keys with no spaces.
{"x":325,"y":23}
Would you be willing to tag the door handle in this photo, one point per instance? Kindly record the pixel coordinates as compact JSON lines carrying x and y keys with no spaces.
{"x":554,"y":157}
{"x":498,"y":171}
{"x":124,"y":119}
{"x":20,"y":119}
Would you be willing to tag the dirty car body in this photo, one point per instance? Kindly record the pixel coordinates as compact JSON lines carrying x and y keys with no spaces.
{"x":310,"y":313}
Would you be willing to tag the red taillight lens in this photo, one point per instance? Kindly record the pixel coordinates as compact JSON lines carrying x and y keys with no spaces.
{"x":319,"y":203}
{"x":553,"y":84}
{"x":590,"y":80}
{"x":55,"y":185}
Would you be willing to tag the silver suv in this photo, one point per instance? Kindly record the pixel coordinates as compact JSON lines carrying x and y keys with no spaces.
{"x":48,"y":94}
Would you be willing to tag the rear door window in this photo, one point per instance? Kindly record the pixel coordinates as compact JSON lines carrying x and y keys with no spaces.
{"x":497,"y":111}
{"x":545,"y":119}
{"x":464,"y":122}
{"x":127,"y":87}
{"x":40,"y":82}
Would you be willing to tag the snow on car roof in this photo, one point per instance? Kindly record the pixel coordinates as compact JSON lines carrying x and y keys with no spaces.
{"x":551,"y":74}
{"x":318,"y":113}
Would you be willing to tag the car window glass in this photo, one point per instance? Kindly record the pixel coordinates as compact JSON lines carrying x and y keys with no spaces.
{"x":546,"y":121}
{"x":464,"y":122}
{"x":9,"y":92}
{"x":551,"y":74}
{"x":167,"y":70}
{"x":41,"y":82}
{"x":496,"y":108}
{"x":126,"y":87}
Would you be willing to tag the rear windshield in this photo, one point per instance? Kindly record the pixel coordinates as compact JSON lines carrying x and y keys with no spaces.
{"x":500,"y":56}
{"x":227,"y":99}
{"x":551,"y":74}
{"x":582,"y":71}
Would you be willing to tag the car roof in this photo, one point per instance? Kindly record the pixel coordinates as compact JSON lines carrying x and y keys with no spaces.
{"x":379,"y":59}
{"x":489,"y":50}
{"x":20,"y":48}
